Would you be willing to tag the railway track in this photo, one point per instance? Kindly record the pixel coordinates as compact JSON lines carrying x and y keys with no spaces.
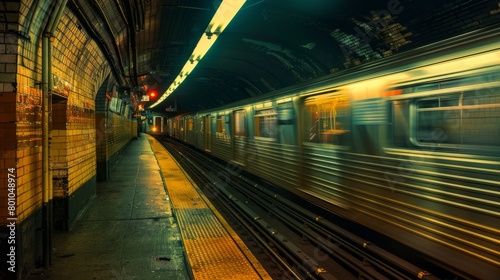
{"x":292,"y":242}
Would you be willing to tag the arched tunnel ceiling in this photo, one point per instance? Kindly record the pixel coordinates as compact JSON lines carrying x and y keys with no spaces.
{"x":270,"y":44}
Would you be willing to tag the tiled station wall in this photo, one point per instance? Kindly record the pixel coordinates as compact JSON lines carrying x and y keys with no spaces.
{"x":114,"y":132}
{"x":120,"y":133}
{"x":75,"y":144}
{"x":20,"y":136}
{"x":80,"y":69}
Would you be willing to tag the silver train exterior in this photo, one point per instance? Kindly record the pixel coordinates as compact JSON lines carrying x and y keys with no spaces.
{"x":408,"y":146}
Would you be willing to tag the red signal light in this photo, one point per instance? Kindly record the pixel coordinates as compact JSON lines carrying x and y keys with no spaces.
{"x":152,"y":94}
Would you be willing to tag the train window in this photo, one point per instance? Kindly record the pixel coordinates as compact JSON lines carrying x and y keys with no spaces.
{"x":266,"y":123}
{"x":223,"y":129}
{"x":239,"y":123}
{"x":466,"y":118}
{"x":190,"y":124}
{"x":326,"y":119}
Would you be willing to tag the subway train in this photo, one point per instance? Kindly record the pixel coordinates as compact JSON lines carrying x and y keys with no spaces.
{"x":408,"y":146}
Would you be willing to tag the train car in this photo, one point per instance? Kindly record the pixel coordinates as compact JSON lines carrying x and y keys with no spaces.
{"x":156,"y":124}
{"x":407,"y":146}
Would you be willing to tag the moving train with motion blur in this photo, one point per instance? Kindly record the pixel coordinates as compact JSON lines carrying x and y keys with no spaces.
{"x":408,"y":146}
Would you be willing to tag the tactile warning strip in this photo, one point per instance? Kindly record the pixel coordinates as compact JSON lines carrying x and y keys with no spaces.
{"x":200,"y":223}
{"x":214,"y":251}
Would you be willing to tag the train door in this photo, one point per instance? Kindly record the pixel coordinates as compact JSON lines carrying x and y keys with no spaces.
{"x":176,"y":128}
{"x":200,"y":129}
{"x":370,"y":115}
{"x":286,"y":120}
{"x":185,"y":127}
{"x":182,"y":135}
{"x":181,"y":129}
{"x":239,"y":139}
{"x":208,"y":132}
{"x":170,"y":127}
{"x":158,"y":125}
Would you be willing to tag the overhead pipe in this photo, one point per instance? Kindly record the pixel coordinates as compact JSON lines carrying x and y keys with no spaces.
{"x":47,"y":85}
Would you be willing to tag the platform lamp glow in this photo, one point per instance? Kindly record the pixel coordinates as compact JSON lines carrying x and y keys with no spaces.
{"x":224,"y":14}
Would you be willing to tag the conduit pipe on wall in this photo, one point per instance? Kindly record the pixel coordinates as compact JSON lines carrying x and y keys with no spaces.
{"x":47,"y":189}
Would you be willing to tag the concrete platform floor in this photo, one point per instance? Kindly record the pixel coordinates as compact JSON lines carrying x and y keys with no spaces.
{"x":128,"y":232}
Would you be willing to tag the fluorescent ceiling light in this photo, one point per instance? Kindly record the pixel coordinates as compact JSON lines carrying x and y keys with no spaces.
{"x":226,"y":12}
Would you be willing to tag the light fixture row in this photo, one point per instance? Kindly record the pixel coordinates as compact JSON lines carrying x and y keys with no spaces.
{"x":224,"y":14}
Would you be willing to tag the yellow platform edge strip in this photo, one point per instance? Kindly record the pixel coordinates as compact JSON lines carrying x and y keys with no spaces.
{"x":159,"y":151}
